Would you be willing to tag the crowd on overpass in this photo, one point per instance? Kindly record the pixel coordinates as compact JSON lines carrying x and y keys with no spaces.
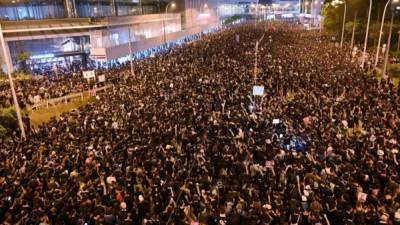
{"x":185,"y":142}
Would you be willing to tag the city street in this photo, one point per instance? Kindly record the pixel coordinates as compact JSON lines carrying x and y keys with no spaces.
{"x":185,"y":141}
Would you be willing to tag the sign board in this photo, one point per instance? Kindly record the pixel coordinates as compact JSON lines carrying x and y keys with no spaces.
{"x":258,"y":90}
{"x":98,"y":54}
{"x":276,"y":121}
{"x":88,"y":74}
{"x":101,"y":78}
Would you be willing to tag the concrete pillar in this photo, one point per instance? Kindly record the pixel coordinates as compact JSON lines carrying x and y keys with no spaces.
{"x":70,"y":8}
{"x":5,"y":58}
{"x":114,"y":9}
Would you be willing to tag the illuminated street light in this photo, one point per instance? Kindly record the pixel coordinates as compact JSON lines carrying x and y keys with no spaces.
{"x":385,"y":63}
{"x":306,"y":6}
{"x":381,"y":31}
{"x":172,"y":4}
{"x":205,"y":6}
{"x":335,"y":3}
{"x":366,"y":35}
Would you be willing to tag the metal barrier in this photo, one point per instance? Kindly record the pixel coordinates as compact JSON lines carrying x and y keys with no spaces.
{"x":54,"y":101}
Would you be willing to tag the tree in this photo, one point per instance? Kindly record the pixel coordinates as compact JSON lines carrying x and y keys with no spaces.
{"x":21,"y":58}
{"x":358,"y":32}
{"x":333,"y":17}
{"x":8,"y":118}
{"x":2,"y":73}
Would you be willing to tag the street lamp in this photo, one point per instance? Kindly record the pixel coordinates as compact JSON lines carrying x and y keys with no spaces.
{"x":366,"y":35}
{"x":130,"y":52}
{"x":264,"y":8}
{"x":306,"y":8}
{"x":274,"y":6}
{"x":337,"y":2}
{"x":389,"y":39}
{"x":257,"y":12}
{"x":172,"y":4}
{"x":354,"y":29}
{"x":205,"y":6}
{"x":314,"y":14}
{"x":381,"y":31}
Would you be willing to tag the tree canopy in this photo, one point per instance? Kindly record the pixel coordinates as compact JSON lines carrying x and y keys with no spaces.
{"x":333,"y":18}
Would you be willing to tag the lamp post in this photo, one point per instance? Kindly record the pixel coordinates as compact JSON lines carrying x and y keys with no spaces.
{"x":256,"y":58}
{"x":398,"y":43}
{"x":354,"y":30}
{"x":315,"y":12}
{"x":172,"y":4}
{"x":306,"y":7}
{"x":337,"y":2}
{"x":381,"y":31}
{"x":395,"y":10}
{"x":130,"y":52}
{"x":344,"y":22}
{"x":273,"y":9}
{"x":366,"y":35}
{"x":205,"y":6}
{"x":10,"y":79}
{"x":311,"y":13}
{"x":258,"y":1}
{"x":388,"y":46}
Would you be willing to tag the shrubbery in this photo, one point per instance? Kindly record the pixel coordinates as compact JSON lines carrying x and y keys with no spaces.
{"x":18,"y":75}
{"x":8,"y":122}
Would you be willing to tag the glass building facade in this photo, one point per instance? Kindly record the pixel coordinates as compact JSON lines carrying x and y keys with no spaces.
{"x":72,"y":40}
{"x":31,"y":10}
{"x":51,"y":9}
{"x":45,"y":52}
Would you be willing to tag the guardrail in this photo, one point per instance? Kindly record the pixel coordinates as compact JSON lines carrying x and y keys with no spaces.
{"x":54,"y":101}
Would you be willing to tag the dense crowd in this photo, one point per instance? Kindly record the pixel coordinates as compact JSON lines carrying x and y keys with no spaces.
{"x":41,"y":88}
{"x":185,"y":142}
{"x":53,"y":82}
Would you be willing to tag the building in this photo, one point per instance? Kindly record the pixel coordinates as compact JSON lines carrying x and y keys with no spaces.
{"x":310,"y":13}
{"x":62,"y":32}
{"x":267,"y":9}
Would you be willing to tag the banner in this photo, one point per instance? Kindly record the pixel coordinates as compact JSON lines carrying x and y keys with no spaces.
{"x":88,"y":74}
{"x":258,"y":90}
